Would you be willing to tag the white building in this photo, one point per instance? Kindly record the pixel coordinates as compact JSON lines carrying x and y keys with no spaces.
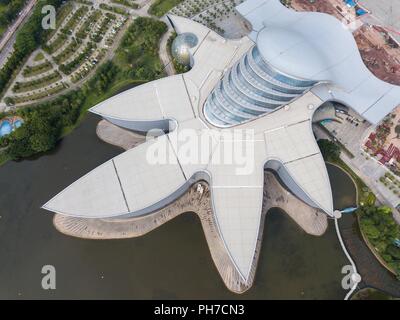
{"x":266,"y":87}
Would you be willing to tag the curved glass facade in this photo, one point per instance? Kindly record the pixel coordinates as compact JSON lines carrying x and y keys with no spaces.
{"x":251,"y":88}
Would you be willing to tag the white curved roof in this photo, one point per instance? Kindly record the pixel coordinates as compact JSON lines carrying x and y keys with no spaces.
{"x":317,"y":46}
{"x":284,"y":135}
{"x":285,"y":55}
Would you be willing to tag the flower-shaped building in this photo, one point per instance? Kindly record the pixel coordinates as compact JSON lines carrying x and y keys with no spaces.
{"x":255,"y":96}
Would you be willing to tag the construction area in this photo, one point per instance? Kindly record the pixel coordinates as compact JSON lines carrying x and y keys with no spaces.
{"x":378,"y":45}
{"x":380,"y":53}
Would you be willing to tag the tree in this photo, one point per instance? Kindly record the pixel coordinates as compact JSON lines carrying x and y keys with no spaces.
{"x":371,"y":231}
{"x":330,"y":150}
{"x":394,"y":252}
{"x":397,"y":130}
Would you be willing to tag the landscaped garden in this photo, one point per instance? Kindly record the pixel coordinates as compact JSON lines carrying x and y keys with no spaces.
{"x":46,"y":122}
{"x":161,"y":7}
{"x":67,"y":49}
{"x":37,"y":83}
{"x":138,"y":53}
{"x":85,"y":28}
{"x":31,"y":71}
{"x":382,"y":231}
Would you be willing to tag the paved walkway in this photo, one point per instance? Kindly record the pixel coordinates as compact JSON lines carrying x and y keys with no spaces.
{"x":373,"y":274}
{"x":164,"y":55}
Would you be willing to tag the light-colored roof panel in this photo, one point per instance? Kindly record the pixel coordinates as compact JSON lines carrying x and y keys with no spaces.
{"x":237,"y":180}
{"x":215,"y":53}
{"x":311,"y":176}
{"x":139,"y":103}
{"x":369,"y":93}
{"x":174,"y":99}
{"x":247,"y":7}
{"x":193,"y":143}
{"x":299,"y":110}
{"x":149,"y":173}
{"x":260,"y":12}
{"x":292,"y":142}
{"x":97,"y":194}
{"x":341,"y":75}
{"x":383,"y":106}
{"x":151,"y":101}
{"x":238,"y":214}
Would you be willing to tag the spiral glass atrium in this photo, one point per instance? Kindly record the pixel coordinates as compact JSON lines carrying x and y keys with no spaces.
{"x":251,"y":88}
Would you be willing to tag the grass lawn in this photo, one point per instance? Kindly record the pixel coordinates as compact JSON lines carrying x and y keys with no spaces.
{"x":39,"y":57}
{"x":161,"y":7}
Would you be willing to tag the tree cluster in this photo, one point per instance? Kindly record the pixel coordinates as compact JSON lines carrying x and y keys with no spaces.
{"x":378,"y":224}
{"x":330,"y":150}
{"x":140,"y":46}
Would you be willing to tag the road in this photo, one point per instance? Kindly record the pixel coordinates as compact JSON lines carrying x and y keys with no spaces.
{"x":8,"y":39}
{"x":387,"y":12}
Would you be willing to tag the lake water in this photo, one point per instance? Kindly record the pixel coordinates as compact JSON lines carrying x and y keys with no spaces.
{"x":170,"y":262}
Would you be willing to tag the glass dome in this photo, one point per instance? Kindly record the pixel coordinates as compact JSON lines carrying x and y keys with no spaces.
{"x":181,"y":47}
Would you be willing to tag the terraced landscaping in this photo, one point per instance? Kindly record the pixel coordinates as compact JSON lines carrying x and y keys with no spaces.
{"x":83,"y":37}
{"x":39,"y":95}
{"x":74,"y":64}
{"x":73,"y":22}
{"x":56,"y":44}
{"x":68,"y":51}
{"x":86,"y":26}
{"x":37,"y":69}
{"x":97,"y":36}
{"x":37,"y":83}
{"x":61,"y":15}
